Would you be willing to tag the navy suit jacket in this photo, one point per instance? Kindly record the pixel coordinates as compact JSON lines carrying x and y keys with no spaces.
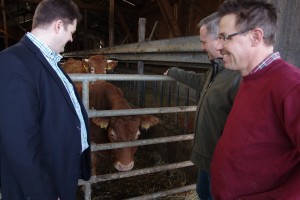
{"x":40,"y":145}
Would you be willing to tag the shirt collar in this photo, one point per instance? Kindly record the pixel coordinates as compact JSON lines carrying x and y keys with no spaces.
{"x":266,"y":62}
{"x":46,"y":51}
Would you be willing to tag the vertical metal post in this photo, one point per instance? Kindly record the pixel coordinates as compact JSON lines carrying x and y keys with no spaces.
{"x":85,"y":94}
{"x":87,"y":192}
{"x":155,"y":94}
{"x":186,"y":115}
{"x":177,"y":102}
{"x":161,"y":86}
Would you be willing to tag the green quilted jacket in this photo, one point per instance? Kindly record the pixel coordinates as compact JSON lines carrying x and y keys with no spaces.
{"x":216,"y":90}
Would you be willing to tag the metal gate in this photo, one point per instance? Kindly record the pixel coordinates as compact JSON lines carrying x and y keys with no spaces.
{"x":86,"y":79}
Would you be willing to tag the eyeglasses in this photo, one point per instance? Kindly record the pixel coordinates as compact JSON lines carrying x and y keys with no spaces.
{"x":228,"y":37}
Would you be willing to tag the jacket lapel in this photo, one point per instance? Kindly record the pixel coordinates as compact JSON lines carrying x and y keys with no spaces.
{"x":48,"y":67}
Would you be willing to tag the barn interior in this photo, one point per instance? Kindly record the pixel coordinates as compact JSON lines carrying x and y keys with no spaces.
{"x":113,"y":22}
{"x":147,"y":37}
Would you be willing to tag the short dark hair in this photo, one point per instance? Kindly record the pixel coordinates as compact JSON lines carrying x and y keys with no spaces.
{"x":50,"y":10}
{"x":252,"y":14}
{"x":211,"y":23}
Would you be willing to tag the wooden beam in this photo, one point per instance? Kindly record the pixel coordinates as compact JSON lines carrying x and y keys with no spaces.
{"x":123,"y":23}
{"x":166,"y":10}
{"x":78,"y":3}
{"x":150,"y":9}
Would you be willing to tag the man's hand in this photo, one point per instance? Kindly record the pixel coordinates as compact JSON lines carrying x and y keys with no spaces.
{"x":166,"y":72}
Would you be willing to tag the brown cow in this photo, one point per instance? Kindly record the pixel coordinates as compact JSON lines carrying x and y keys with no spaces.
{"x":100,"y":64}
{"x":97,"y":64}
{"x":106,"y":96}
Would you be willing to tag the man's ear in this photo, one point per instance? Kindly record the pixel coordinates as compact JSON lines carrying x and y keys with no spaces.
{"x":257,"y":36}
{"x":58,"y":25}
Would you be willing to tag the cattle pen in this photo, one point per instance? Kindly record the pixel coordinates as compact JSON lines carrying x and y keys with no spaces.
{"x":179,"y":52}
{"x":86,"y":79}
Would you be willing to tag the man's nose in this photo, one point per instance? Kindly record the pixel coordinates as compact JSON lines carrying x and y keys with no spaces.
{"x":203,"y":48}
{"x":219,"y":45}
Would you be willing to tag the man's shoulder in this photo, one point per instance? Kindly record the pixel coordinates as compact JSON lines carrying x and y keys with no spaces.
{"x":16,"y":48}
{"x":20,"y":49}
{"x":232,"y":78}
{"x":285,"y":70}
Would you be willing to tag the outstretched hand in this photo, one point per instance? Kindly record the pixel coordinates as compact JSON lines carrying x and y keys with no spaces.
{"x":166,"y":72}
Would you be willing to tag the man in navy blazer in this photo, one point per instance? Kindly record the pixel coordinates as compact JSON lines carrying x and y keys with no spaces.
{"x":44,"y":143}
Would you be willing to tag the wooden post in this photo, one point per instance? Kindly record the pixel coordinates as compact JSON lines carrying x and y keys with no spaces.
{"x":288,"y":26}
{"x":111,"y":22}
{"x":141,"y":84}
{"x":85,"y":41}
{"x":4,"y":25}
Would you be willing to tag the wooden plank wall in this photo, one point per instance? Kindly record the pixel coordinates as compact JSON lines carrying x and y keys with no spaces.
{"x":288,"y":31}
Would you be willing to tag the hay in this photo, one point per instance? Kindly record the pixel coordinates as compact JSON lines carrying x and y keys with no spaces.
{"x":143,"y":184}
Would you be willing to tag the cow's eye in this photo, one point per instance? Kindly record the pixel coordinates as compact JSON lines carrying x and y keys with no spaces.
{"x":138,"y":133}
{"x":92,"y":70}
{"x":112,"y":135}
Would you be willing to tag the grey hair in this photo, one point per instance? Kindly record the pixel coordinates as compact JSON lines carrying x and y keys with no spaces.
{"x":251,"y":14}
{"x":211,"y":23}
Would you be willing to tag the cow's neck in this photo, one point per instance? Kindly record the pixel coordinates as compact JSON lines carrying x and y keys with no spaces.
{"x":121,"y":103}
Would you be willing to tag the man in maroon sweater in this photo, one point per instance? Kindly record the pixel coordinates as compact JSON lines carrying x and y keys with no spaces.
{"x":258,"y":155}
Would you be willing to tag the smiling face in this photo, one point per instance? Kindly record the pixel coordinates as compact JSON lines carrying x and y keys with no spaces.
{"x":208,"y":44}
{"x":237,"y":51}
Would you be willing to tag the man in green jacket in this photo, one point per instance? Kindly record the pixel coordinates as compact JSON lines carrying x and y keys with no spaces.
{"x":216,"y":90}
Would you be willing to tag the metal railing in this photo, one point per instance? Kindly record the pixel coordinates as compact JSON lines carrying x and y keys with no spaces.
{"x":86,"y":79}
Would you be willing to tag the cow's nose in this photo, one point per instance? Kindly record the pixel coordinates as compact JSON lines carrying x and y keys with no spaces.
{"x":120,"y":167}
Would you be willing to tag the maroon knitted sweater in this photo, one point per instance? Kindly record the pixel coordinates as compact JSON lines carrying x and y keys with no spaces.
{"x":258,"y":155}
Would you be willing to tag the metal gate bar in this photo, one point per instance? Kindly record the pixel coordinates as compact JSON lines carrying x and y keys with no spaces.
{"x":106,"y":146}
{"x":140,"y":111}
{"x":113,"y":176}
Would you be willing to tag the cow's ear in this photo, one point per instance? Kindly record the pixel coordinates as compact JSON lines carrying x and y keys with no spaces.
{"x":101,"y":121}
{"x":148,"y":120}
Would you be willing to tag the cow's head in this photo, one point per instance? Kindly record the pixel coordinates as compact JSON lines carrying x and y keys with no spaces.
{"x":76,"y":66}
{"x":125,"y":128}
{"x":98,"y":64}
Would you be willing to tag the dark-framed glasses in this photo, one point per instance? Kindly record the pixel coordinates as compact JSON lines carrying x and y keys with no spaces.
{"x":228,"y":37}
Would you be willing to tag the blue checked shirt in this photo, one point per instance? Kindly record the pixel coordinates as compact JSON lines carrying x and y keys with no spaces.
{"x":53,"y":58}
